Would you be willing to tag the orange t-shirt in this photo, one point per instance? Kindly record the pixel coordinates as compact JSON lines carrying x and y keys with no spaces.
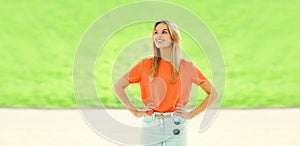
{"x":161,"y":90}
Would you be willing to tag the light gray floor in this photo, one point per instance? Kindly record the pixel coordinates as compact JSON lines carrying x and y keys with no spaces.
{"x":233,"y":127}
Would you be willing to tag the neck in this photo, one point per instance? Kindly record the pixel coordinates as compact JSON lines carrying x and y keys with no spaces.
{"x":165,"y":53}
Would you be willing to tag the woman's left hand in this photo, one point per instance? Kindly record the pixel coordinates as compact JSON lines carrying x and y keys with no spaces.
{"x":180,"y":111}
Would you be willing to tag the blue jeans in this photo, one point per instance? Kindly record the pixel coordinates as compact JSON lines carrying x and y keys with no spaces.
{"x":164,"y":131}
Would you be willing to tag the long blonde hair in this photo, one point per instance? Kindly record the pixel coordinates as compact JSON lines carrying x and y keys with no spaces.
{"x":175,"y":53}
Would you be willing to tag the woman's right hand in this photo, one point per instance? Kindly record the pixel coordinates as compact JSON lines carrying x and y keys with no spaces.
{"x":148,"y":110}
{"x":139,"y":113}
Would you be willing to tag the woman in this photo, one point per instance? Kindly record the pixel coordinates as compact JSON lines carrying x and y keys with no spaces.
{"x":165,"y":81}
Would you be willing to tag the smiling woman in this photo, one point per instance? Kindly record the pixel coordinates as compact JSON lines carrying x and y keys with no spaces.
{"x":39,"y":41}
{"x":165,"y":82}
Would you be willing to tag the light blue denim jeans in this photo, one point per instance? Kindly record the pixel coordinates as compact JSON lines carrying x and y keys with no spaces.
{"x":162,"y":131}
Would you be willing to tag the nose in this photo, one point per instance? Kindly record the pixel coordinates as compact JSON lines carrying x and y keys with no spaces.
{"x":158,"y":34}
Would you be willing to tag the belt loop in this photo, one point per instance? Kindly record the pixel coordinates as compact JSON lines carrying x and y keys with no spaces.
{"x":153,"y":115}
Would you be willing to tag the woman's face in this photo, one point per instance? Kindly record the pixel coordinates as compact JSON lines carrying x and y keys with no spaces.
{"x":161,"y":36}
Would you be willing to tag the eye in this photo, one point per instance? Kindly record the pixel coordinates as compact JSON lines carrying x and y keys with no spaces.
{"x":155,"y":32}
{"x":165,"y":32}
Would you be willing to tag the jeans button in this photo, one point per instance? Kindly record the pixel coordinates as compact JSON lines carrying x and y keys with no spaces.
{"x":177,"y":121}
{"x":176,"y":131}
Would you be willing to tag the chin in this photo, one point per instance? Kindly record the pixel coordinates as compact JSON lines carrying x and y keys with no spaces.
{"x":162,"y":46}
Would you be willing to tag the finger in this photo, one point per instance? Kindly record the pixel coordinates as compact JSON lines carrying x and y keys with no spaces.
{"x":149,"y":108}
{"x":178,"y":112}
{"x":178,"y":108}
{"x":150,"y":104}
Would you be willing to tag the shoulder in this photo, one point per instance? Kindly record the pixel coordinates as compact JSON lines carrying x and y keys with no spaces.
{"x":186,"y":64}
{"x":183,"y":61}
{"x":145,"y":63}
{"x":147,"y":60}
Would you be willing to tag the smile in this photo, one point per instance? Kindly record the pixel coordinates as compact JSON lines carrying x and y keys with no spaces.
{"x":160,"y":40}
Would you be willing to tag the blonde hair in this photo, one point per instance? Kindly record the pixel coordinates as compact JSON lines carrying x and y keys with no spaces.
{"x":175,"y":53}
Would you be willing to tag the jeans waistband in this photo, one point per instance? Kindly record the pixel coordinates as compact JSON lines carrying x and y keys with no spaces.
{"x":162,"y":115}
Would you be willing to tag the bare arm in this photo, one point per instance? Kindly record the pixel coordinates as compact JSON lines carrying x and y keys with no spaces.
{"x":119,"y":89}
{"x":212,"y":96}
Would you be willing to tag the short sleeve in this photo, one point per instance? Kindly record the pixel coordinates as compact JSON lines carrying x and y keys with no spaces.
{"x":198,"y":76}
{"x":135,"y":73}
